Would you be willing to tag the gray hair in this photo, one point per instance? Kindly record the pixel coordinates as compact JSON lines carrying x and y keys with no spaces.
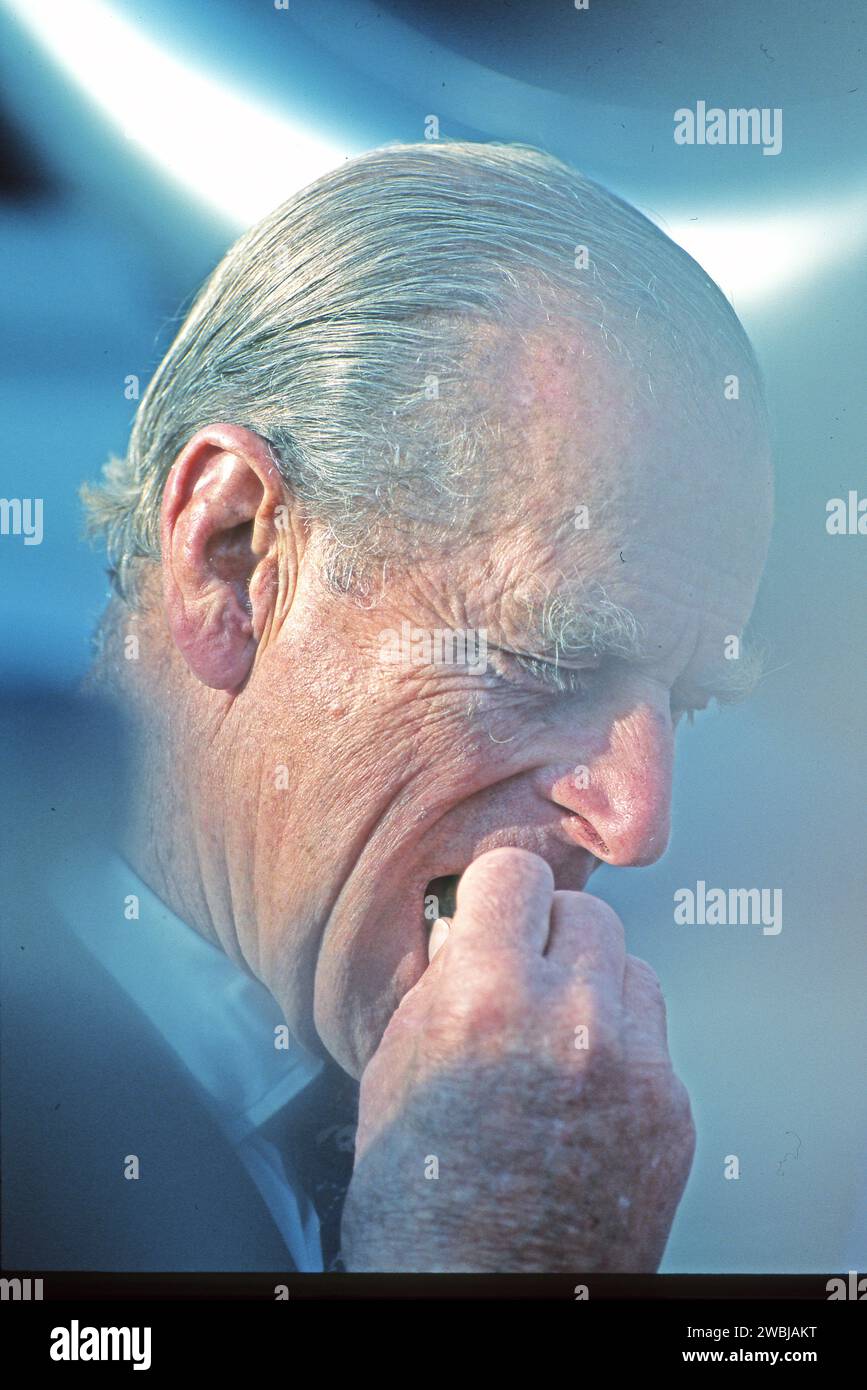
{"x":338,"y":328}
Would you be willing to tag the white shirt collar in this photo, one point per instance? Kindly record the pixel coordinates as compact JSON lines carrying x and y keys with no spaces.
{"x":219,"y":1022}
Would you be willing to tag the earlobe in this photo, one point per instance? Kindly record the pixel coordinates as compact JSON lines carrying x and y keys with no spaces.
{"x":220,"y":495}
{"x":214,"y":635}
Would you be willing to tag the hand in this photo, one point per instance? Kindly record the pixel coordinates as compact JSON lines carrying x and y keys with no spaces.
{"x":521,"y":1112}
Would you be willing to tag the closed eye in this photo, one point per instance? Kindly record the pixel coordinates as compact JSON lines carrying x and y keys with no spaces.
{"x":564,"y":680}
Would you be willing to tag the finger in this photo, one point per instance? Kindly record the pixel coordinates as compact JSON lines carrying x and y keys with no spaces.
{"x":439,"y":933}
{"x":504,"y":899}
{"x":645,"y":1028}
{"x":588,"y":940}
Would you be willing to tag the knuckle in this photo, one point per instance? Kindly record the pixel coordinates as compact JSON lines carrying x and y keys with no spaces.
{"x":648,"y":997}
{"x":594,"y":911}
{"x":603,"y":1037}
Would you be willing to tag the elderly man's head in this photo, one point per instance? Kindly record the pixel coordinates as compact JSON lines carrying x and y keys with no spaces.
{"x":448,"y":389}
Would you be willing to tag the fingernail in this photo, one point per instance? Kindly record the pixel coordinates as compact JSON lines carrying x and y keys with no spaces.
{"x":438,"y":936}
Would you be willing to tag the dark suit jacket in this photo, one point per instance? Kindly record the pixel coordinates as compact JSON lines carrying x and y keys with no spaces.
{"x":86,"y":1079}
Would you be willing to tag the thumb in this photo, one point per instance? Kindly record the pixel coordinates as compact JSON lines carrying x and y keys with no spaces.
{"x":438,"y":936}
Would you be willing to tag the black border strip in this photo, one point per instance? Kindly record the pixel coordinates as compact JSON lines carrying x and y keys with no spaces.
{"x":66,"y":1285}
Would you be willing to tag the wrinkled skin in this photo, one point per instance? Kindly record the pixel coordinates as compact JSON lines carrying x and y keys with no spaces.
{"x":479,"y":1070}
{"x":298,"y":794}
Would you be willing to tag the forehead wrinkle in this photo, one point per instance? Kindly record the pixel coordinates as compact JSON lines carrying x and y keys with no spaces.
{"x":573,"y":624}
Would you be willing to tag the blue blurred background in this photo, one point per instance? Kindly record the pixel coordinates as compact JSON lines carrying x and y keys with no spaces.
{"x":140,"y":138}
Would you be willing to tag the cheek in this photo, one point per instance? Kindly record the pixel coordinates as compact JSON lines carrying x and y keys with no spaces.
{"x":487,"y":747}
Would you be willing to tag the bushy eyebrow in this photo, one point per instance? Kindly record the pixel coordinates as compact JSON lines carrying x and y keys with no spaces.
{"x":559,"y":628}
{"x":562,"y":629}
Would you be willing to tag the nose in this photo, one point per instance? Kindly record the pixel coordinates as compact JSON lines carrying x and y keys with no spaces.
{"x":620,"y":796}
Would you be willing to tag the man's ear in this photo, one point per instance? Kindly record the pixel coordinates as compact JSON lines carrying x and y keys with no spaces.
{"x":221,"y":551}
